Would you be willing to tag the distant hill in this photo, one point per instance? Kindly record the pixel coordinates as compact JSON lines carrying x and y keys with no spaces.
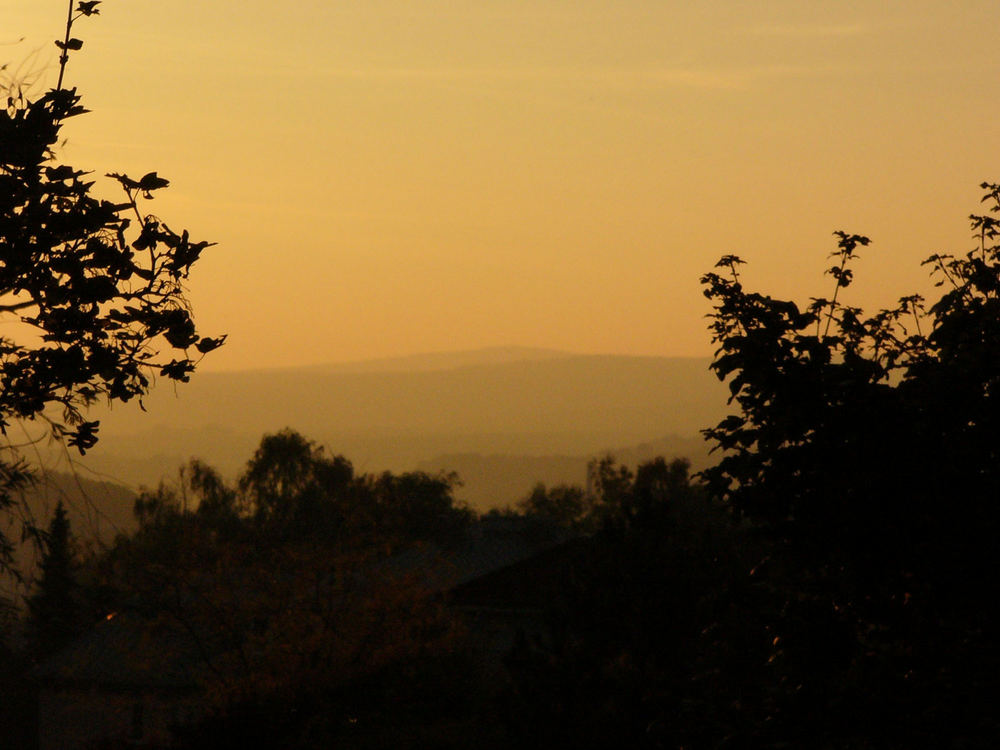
{"x":442,"y":360}
{"x":504,"y":419}
{"x":97,"y":511}
{"x":398,"y":414}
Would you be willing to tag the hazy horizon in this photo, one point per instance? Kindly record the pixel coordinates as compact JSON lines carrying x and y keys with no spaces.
{"x":504,"y":418}
{"x":437,"y":359}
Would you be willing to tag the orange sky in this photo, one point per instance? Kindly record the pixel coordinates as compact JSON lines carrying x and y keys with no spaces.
{"x":394,"y":176}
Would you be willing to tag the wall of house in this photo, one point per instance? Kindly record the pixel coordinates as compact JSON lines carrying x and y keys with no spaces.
{"x":493,"y":632}
{"x":74,"y":718}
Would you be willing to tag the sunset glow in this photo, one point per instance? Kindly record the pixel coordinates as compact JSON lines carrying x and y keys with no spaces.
{"x":394,"y":176}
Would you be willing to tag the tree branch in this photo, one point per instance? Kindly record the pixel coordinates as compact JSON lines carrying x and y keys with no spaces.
{"x":17,"y":306}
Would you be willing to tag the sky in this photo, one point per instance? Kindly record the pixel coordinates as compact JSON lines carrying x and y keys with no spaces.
{"x":390,"y":177}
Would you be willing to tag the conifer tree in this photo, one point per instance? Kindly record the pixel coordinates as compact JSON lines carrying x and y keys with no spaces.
{"x":53,"y":608}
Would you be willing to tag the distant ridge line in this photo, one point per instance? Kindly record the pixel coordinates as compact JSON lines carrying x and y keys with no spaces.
{"x":445,"y":360}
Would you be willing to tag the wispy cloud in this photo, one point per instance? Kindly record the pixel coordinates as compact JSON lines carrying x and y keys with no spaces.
{"x":678,"y":77}
{"x":716,"y":78}
{"x":806,"y":30}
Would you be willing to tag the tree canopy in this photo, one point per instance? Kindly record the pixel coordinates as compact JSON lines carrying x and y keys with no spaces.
{"x":864,"y":447}
{"x":291,"y":582}
{"x":91,"y":289}
{"x":851,"y":425}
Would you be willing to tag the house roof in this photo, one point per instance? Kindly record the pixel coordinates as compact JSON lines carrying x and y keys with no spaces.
{"x":490,"y":545}
{"x":125,"y":652}
{"x":529,"y":582}
{"x":498,"y":565}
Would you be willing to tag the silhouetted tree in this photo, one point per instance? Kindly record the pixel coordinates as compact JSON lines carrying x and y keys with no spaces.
{"x":416,"y":506}
{"x":291,"y":484}
{"x":93,"y":286}
{"x":217,"y":502}
{"x":284,"y":586}
{"x":866,"y":449}
{"x":54,"y":608}
{"x":621,"y":663}
{"x":563,"y":506}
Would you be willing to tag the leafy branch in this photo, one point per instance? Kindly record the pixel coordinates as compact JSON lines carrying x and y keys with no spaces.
{"x":97,"y":285}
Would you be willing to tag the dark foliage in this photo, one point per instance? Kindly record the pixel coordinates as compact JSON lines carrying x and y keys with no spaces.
{"x":562,"y":506}
{"x":19,"y":707}
{"x":628,"y":625}
{"x":54,"y":608}
{"x":290,"y":486}
{"x":94,"y":287}
{"x":284,"y":581}
{"x":865,"y":448}
{"x":415,"y":506}
{"x":852,"y":607}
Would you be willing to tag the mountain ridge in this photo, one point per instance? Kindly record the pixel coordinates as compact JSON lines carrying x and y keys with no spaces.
{"x":546,"y":404}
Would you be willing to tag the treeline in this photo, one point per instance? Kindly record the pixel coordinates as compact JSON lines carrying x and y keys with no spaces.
{"x":311,"y":604}
{"x":292,"y":497}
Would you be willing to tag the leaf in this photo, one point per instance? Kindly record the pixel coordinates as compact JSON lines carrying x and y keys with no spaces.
{"x":180,"y":333}
{"x":177,"y":370}
{"x":731,"y":423}
{"x":206,"y":344}
{"x":152,"y":181}
{"x":84,"y":437}
{"x":89,"y":8}
{"x":146,"y":239}
{"x":60,"y":173}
